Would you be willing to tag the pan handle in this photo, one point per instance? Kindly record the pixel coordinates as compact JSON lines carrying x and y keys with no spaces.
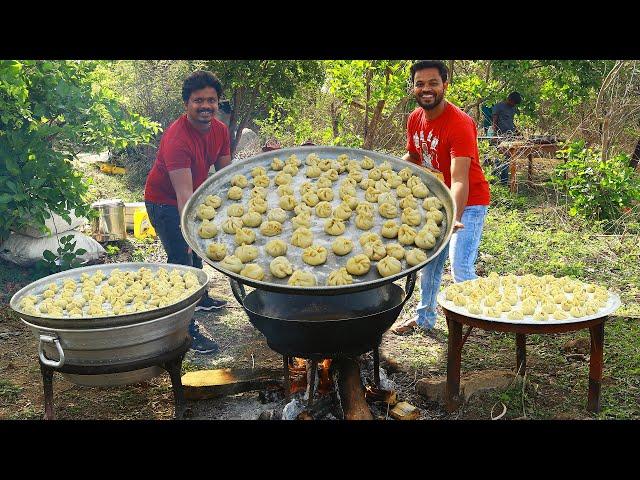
{"x":409,"y":286}
{"x":43,"y":358}
{"x":238,"y":290}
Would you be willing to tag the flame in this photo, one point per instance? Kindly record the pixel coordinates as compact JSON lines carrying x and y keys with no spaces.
{"x":298,"y":376}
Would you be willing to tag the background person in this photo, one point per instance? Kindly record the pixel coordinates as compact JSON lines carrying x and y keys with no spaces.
{"x":503,"y":115}
{"x":188,"y":148}
{"x":443,"y":138}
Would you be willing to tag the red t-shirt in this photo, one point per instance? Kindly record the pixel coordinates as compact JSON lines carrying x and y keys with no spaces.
{"x":452,"y":134}
{"x":182,"y":146}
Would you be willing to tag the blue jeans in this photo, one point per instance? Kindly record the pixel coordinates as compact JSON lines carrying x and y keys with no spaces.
{"x":462,"y":251}
{"x":166,"y":222}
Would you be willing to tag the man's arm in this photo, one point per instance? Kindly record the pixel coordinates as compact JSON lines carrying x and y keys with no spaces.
{"x":411,"y":156}
{"x":460,"y":186}
{"x":494,"y":123}
{"x":183,"y":185}
{"x":223,"y":161}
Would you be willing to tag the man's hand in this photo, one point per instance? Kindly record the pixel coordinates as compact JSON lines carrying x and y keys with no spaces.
{"x":457,"y":226}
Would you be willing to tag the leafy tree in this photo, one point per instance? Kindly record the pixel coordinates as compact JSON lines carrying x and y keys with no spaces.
{"x":254,"y":86}
{"x":49,"y":112}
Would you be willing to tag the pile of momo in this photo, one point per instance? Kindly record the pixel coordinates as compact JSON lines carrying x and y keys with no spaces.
{"x":119,"y":293}
{"x":529,"y":296}
{"x":324,"y":221}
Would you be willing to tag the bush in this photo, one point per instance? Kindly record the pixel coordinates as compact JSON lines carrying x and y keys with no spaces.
{"x":599,"y":190}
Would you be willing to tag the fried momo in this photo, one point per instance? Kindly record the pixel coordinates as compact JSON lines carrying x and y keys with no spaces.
{"x":342,"y":246}
{"x":207,"y":229}
{"x":280,"y":267}
{"x":358,"y":265}
{"x":276,"y":248}
{"x":231,"y":263}
{"x":314,"y":255}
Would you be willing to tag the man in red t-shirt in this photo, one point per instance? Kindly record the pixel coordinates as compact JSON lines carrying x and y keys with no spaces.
{"x":188,"y":149}
{"x":443,"y":139}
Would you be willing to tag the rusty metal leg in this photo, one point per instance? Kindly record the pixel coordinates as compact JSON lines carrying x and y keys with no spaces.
{"x":454,"y":358}
{"x":287,"y":380}
{"x":311,"y":382}
{"x":521,"y":353}
{"x":595,"y":367}
{"x":174,"y":368}
{"x":47,"y":383}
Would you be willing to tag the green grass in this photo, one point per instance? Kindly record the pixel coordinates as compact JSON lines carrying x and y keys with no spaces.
{"x":9,"y":392}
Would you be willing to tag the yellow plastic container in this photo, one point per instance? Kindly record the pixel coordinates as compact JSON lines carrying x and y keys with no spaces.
{"x":142,"y":225}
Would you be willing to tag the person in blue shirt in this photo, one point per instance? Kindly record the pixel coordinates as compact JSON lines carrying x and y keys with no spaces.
{"x":503,"y":114}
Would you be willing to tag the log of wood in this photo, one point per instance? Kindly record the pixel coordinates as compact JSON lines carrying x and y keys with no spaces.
{"x":205,"y":384}
{"x":352,"y":394}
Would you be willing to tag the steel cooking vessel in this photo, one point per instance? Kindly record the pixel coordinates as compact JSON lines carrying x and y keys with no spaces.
{"x":219,"y":183}
{"x":109,"y":225}
{"x":110,"y":340}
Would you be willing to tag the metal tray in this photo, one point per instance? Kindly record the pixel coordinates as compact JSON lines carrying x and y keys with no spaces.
{"x":219,"y":183}
{"x":37,"y":287}
{"x":613,"y":303}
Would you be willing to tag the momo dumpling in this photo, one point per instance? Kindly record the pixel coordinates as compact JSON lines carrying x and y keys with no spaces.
{"x":382,"y":187}
{"x":424,"y":239}
{"x":432,"y":203}
{"x":277,"y":215}
{"x":405,"y":174}
{"x":293,"y":160}
{"x":390,"y":229}
{"x":331,"y":174}
{"x":258,"y":205}
{"x":205,"y":212}
{"x":358,"y":264}
{"x":351,"y":201}
{"x":349,"y":181}
{"x":314,"y":255}
{"x":324,"y":181}
{"x":232,"y":263}
{"x":388,"y":210}
{"x":420,"y":190}
{"x":323,"y":209}
{"x":368,"y":237}
{"x":213,"y":201}
{"x":245,"y":236}
{"x":374,"y":174}
{"x":277,"y":164}
{"x":252,"y":270}
{"x":339,"y":277}
{"x":216,"y":251}
{"x":324,"y":164}
{"x":436,"y":215}
{"x":258,"y":192}
{"x":232,"y":224}
{"x":375,"y":250}
{"x":302,"y":237}
{"x":283,"y":190}
{"x":364,"y":221}
{"x":515,"y":315}
{"x":406,"y":235}
{"x":408,"y":202}
{"x":235,"y":210}
{"x":257,"y":171}
{"x":276,"y":248}
{"x":311,"y":199}
{"x":403,"y":191}
{"x":413,"y":181}
{"x":394,"y":181}
{"x":343,"y":211}
{"x":356,"y":175}
{"x":411,"y":217}
{"x":366,"y":183}
{"x":389,"y":266}
{"x":371,"y":195}
{"x":342,"y":246}
{"x":364,"y":208}
{"x":347,"y":189}
{"x":261,"y":181}
{"x":433,"y":228}
{"x":325,"y":194}
{"x":367,"y":163}
{"x":282,"y":178}
{"x":270,"y":228}
{"x":234,"y":193}
{"x":280,"y":267}
{"x":288,"y":202}
{"x":386,"y":197}
{"x":302,"y":220}
{"x":302,"y":208}
{"x":312,"y":159}
{"x":302,"y":278}
{"x":313,"y":171}
{"x":239,"y":181}
{"x":395,"y":250}
{"x":246,"y":253}
{"x":290,"y":170}
{"x":307,"y":187}
{"x":207,"y":229}
{"x":334,"y":226}
{"x":415,"y":256}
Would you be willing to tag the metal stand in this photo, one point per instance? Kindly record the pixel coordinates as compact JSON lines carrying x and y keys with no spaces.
{"x":171,"y":362}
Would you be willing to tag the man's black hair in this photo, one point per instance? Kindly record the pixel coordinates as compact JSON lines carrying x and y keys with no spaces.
{"x":423,"y":64}
{"x":515,"y":97}
{"x":198,"y":80}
